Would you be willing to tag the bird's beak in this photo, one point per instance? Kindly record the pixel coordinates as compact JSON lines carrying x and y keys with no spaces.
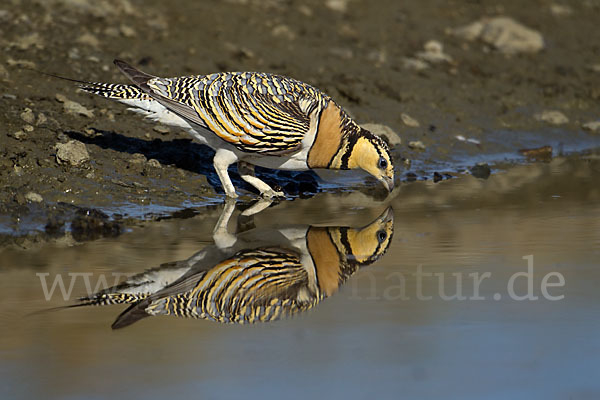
{"x":388,"y":183}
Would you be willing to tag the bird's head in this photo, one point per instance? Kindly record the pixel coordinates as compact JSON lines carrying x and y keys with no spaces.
{"x":371,"y":154}
{"x":367,"y":244}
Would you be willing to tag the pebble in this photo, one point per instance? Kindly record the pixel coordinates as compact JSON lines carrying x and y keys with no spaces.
{"x":433,"y":53}
{"x":378,"y":57}
{"x":20,"y":199}
{"x":411,"y":176}
{"x":414,"y":64}
{"x":28,"y":128}
{"x":337,"y":5}
{"x":552,"y":117}
{"x":5,"y":15}
{"x":41,"y":119}
{"x":305,"y":10}
{"x":543,"y":153}
{"x":592,"y":126}
{"x":137,"y":158}
{"x":73,"y":152}
{"x":73,"y":53}
{"x":19,"y":135}
{"x":34,"y":197}
{"x":409,"y":121}
{"x":384,"y":131}
{"x":4,"y":72}
{"x":503,"y":33}
{"x":28,"y":41}
{"x":416,"y":145}
{"x":88,"y":39}
{"x":9,"y":96}
{"x":163,"y":130}
{"x":20,"y":63}
{"x":127,"y":31}
{"x":560,"y":10}
{"x":343,"y":53}
{"x":28,"y":116}
{"x":111,"y":31}
{"x":481,"y":170}
{"x":283,"y":31}
{"x":74,"y":108}
{"x":469,"y":140}
{"x":154,"y":163}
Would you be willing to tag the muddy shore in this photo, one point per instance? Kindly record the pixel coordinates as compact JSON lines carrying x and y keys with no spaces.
{"x":405,"y":65}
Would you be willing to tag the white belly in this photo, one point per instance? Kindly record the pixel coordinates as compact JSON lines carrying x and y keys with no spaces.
{"x":295,"y":161}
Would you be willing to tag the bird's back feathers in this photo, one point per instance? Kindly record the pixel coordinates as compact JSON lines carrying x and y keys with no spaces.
{"x":256,"y":112}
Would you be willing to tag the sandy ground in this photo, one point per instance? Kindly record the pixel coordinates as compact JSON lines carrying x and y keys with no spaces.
{"x":466,"y":101}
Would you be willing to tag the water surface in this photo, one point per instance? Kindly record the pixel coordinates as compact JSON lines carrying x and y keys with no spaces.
{"x":373,"y":337}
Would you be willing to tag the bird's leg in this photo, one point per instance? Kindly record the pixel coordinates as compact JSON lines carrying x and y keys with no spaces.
{"x":260,"y":205}
{"x":222,"y":160}
{"x":221,"y":236}
{"x":247,"y":173}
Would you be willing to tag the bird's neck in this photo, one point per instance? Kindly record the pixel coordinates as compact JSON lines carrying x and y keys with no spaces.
{"x":334,"y":140}
{"x":329,"y":258}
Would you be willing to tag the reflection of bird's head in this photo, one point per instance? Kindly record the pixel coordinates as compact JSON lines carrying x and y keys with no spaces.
{"x":367,"y":244}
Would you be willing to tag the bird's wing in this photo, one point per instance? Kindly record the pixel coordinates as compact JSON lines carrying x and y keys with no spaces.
{"x":253,"y":285}
{"x":255,"y":112}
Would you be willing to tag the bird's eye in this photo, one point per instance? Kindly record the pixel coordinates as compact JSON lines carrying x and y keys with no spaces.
{"x":381,"y":236}
{"x":383,"y":163}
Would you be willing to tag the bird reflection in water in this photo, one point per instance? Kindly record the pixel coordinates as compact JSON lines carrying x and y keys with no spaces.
{"x":255,"y":276}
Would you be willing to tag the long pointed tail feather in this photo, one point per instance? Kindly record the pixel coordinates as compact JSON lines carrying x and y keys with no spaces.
{"x":116,"y":91}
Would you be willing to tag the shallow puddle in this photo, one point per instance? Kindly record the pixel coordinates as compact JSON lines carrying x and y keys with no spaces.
{"x":488,"y":288}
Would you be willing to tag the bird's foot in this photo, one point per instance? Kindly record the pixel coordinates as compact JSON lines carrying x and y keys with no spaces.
{"x":272,"y":194}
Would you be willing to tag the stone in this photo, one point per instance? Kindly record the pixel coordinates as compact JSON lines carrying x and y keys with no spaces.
{"x":468,"y":32}
{"x":592,"y":126}
{"x":552,"y":117}
{"x":19,"y":135}
{"x":4,"y":72}
{"x":283,"y":31}
{"x":74,"y":108}
{"x":28,"y":41}
{"x":343,"y":53}
{"x":409,"y":121}
{"x":137,"y":158}
{"x":154,"y":163}
{"x":560,"y":10}
{"x":481,"y":171}
{"x":20,"y":63}
{"x":414,"y":64}
{"x":337,"y":5}
{"x":433,"y":53}
{"x":384,"y":131}
{"x":377,"y":56}
{"x":34,"y":197}
{"x":416,"y":145}
{"x":28,"y":116}
{"x":127,"y":31}
{"x":88,"y":39}
{"x":5,"y":15}
{"x":503,"y":33}
{"x":73,"y":152}
{"x":28,"y":128}
{"x":163,"y":130}
{"x":41,"y":119}
{"x":543,"y":153}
